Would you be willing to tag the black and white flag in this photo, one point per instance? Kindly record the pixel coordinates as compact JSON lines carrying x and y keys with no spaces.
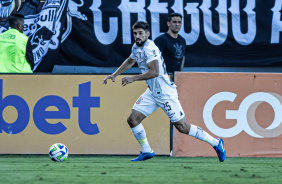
{"x":45,"y":32}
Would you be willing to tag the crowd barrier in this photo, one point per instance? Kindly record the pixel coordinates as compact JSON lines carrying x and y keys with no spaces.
{"x":90,"y":118}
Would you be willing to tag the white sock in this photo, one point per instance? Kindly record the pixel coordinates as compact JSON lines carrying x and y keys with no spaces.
{"x":198,"y":133}
{"x":140,"y":134}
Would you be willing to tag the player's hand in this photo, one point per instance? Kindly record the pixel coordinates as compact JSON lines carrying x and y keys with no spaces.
{"x":113,"y":78}
{"x":126,"y":80}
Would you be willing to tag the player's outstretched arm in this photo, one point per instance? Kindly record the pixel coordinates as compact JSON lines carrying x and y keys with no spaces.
{"x":128,"y":63}
{"x":151,"y":73}
{"x":113,"y":78}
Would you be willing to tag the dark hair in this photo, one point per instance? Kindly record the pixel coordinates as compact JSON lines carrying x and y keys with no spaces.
{"x":142,"y":25}
{"x":14,"y":19}
{"x":173,"y":15}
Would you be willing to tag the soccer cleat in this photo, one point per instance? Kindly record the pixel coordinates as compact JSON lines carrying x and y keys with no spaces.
{"x":221,"y":153}
{"x":144,"y":156}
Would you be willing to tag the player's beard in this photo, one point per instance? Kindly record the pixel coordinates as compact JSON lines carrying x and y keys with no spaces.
{"x":140,"y":44}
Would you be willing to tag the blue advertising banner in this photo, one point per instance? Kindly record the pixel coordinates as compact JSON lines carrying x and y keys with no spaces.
{"x":76,"y":110}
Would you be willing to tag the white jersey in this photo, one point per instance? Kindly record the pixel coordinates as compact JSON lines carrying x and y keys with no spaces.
{"x":160,"y":86}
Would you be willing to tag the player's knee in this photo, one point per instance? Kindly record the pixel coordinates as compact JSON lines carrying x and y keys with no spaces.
{"x":129,"y":120}
{"x":132,"y":122}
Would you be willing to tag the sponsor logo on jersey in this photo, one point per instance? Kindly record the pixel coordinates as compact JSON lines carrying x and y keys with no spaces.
{"x":139,"y":100}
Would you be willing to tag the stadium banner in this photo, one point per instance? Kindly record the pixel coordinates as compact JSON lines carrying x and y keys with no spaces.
{"x":228,"y":33}
{"x":244,"y":109}
{"x":217,"y":32}
{"x":76,"y":110}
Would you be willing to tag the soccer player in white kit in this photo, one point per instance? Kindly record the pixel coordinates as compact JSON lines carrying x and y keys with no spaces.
{"x":161,"y":92}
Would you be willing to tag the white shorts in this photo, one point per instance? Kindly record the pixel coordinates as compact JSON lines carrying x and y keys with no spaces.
{"x":147,"y":104}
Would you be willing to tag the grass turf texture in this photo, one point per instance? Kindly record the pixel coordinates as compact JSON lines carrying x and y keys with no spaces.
{"x":119,"y":169}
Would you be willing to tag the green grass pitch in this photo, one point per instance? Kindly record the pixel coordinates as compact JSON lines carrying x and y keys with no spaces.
{"x":30,"y":169}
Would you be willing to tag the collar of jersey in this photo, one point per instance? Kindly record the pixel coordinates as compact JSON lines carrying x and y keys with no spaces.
{"x":143,"y":45}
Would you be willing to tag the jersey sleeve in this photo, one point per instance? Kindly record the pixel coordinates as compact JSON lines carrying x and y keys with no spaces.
{"x":132,"y":55}
{"x":160,"y":43}
{"x":151,"y":54}
{"x":184,"y":46}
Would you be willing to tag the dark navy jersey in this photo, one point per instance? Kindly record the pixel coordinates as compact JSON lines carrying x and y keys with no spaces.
{"x":173,"y":51}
